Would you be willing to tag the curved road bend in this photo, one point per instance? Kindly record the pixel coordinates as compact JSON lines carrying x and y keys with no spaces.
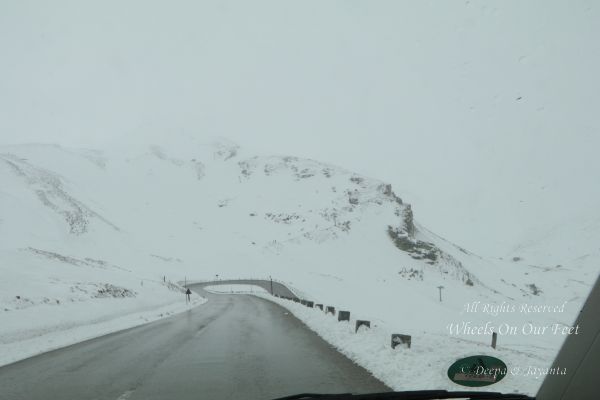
{"x":277,"y":288}
{"x":233,"y":347}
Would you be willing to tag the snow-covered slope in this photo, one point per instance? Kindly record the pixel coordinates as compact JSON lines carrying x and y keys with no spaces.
{"x":108,"y":227}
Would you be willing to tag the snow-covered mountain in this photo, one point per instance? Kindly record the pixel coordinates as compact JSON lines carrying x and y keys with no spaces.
{"x":97,"y":234}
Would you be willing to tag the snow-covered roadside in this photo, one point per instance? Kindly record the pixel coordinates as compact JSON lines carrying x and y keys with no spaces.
{"x":424,"y":365}
{"x":85,"y":322}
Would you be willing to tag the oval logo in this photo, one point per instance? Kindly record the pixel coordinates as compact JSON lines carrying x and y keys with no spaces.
{"x":477,"y":371}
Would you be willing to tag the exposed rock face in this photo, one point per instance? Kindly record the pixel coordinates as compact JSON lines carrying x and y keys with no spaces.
{"x":299,"y":200}
{"x":51,"y":192}
{"x":417,"y":249}
{"x":351,"y":198}
{"x":386,"y":190}
{"x":407,"y":218}
{"x":431,"y":254}
{"x":224,"y":150}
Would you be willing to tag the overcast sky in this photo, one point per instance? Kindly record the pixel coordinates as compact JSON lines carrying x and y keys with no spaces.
{"x":482,"y":114}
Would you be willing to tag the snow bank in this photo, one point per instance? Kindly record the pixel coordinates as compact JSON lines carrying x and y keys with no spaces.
{"x":50,"y":300}
{"x":424,"y":365}
{"x":84,"y":321}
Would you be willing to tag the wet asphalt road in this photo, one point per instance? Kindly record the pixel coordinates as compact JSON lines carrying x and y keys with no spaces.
{"x":233,"y":347}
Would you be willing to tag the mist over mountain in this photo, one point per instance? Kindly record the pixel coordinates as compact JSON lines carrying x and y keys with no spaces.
{"x":95,"y":236}
{"x":400,"y":160}
{"x":204,"y":208}
{"x":482,"y":116}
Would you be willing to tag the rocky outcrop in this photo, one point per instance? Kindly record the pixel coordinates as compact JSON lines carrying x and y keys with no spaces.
{"x":417,"y":249}
{"x":50,"y":191}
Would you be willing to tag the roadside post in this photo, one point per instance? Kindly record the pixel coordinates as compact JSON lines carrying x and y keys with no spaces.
{"x":360,"y":323}
{"x":399,"y":339}
{"x":344,"y":316}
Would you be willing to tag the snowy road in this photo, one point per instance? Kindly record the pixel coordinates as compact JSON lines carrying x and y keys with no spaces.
{"x":233,"y":347}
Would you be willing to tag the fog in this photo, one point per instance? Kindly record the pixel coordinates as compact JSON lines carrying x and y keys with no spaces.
{"x":483,"y":115}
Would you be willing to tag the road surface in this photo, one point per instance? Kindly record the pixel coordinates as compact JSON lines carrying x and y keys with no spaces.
{"x":233,"y":347}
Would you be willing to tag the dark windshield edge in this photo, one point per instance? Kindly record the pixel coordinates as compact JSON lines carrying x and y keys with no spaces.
{"x":412,"y":395}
